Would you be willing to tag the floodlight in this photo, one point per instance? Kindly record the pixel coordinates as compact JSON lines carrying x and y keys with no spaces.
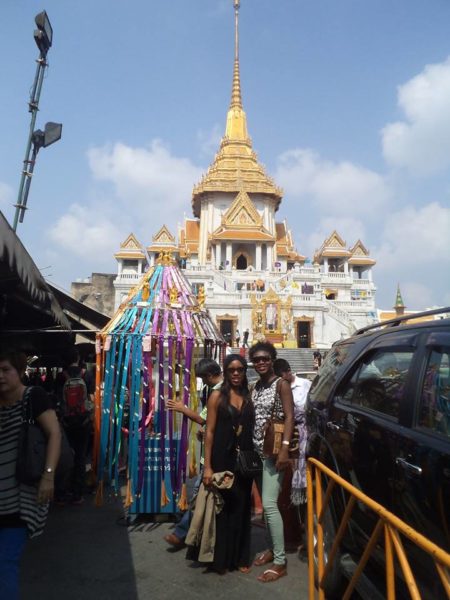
{"x":43,"y":35}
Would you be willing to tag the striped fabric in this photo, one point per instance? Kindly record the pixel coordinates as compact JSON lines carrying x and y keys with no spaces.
{"x":16,"y":499}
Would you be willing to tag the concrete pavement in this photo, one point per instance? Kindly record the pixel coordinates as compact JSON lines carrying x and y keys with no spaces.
{"x":89,"y":553}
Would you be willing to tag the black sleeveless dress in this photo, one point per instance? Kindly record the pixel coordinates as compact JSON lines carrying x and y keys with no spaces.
{"x":233,"y":523}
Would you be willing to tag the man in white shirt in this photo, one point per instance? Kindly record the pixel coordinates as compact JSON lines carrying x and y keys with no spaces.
{"x":299,"y":385}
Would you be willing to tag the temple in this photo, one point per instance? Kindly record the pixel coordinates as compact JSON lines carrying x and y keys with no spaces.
{"x":244,"y":262}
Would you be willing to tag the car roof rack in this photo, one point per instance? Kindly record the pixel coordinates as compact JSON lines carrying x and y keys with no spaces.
{"x":402,"y":319}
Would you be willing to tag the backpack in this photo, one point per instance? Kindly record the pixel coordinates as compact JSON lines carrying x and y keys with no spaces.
{"x":75,"y":398}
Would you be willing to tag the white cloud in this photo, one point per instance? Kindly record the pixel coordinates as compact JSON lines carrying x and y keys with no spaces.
{"x":151,"y":182}
{"x":150,"y":187}
{"x":335,"y":188}
{"x":416,"y":236}
{"x":87,"y":233}
{"x":421,"y":142}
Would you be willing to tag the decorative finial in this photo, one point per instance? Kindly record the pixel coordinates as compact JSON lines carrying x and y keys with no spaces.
{"x":236,"y":99}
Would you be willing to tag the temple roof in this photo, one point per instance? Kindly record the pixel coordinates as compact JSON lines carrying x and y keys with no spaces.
{"x":360,"y":255}
{"x":236,"y":165}
{"x":130,"y":248}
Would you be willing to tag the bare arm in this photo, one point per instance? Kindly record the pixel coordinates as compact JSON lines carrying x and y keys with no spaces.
{"x":50,"y":426}
{"x":211,"y":420}
{"x":179,"y":406}
{"x":288,"y":409}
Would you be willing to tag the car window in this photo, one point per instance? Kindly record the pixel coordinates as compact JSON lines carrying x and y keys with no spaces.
{"x":326,"y":376}
{"x":434,"y":408}
{"x":378,"y":382}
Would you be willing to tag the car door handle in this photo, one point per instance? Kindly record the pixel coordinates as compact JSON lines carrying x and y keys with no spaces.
{"x":414,"y":469}
{"x":333,"y":426}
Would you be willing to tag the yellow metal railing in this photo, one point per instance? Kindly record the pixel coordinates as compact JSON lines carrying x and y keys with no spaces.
{"x":392,"y":526}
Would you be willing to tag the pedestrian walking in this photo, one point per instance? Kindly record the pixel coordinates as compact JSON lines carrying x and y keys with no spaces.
{"x":245,"y":338}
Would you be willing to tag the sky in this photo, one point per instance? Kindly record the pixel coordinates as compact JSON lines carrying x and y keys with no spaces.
{"x":347,"y":102}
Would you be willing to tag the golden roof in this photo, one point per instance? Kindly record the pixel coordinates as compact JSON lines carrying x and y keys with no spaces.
{"x":333,"y":247}
{"x":130,"y":248}
{"x":236,"y":165}
{"x":360,"y":255}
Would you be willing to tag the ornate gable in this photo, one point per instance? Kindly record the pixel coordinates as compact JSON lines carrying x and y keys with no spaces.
{"x":242,"y":214}
{"x":335,"y":241}
{"x":131,"y":243}
{"x":359,"y":249}
{"x":130,"y":248}
{"x":163,"y":236}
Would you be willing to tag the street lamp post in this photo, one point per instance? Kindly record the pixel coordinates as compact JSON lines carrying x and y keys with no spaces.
{"x":43,"y":37}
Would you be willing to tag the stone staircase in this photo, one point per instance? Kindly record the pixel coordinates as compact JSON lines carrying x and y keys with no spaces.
{"x":300,"y":359}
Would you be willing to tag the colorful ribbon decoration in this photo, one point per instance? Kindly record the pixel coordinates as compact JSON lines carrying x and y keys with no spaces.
{"x":149,"y":349}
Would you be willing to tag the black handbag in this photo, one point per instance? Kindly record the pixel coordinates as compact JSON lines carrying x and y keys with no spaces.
{"x":32,"y":449}
{"x":248,"y":463}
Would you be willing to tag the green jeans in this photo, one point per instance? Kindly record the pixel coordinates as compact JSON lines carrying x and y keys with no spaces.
{"x":272,"y":481}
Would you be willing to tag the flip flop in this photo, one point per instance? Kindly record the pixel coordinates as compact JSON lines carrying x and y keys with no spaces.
{"x":270,"y":575}
{"x":264,"y":558}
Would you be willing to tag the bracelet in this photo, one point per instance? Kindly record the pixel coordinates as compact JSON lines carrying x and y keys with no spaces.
{"x":286,"y":443}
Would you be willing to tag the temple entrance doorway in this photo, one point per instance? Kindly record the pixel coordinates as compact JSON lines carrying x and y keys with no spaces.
{"x":303,"y":334}
{"x":241,"y":262}
{"x":227,"y":326}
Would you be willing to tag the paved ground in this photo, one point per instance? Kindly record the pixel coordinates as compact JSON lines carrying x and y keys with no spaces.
{"x":88,"y":553}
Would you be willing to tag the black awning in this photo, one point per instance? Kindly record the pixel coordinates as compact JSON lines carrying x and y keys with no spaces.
{"x":27,"y":303}
{"x":80,"y":315}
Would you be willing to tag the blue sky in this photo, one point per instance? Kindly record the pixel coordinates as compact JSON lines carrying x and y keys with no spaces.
{"x":348,"y":106}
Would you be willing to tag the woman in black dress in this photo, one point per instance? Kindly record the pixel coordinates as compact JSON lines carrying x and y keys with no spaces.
{"x":230,"y":425}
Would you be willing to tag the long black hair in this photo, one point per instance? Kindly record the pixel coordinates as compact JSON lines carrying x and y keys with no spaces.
{"x":226,"y":387}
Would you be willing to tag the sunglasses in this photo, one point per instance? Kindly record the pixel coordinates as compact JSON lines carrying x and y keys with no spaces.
{"x":259,"y":359}
{"x":235,"y":370}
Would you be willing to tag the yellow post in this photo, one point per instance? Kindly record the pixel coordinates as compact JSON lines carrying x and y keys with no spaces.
{"x":364,"y":558}
{"x":409,"y":577}
{"x":389,"y":555}
{"x":320,"y":567}
{"x":310,"y":508}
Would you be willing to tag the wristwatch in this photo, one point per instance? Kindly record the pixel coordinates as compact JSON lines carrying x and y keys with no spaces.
{"x":49,"y":470}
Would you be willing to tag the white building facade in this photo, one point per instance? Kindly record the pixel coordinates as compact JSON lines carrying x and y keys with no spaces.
{"x":237,"y":255}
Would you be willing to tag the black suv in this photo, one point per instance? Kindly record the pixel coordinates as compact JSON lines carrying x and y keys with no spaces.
{"x":378,"y":414}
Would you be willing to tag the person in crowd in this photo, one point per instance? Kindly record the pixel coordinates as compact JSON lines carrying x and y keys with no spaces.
{"x":300,"y":388}
{"x":271,"y":397}
{"x":23,"y":508}
{"x":237,"y":337}
{"x":77,"y":413}
{"x":245,"y":338}
{"x":317,"y":360}
{"x":229,"y":425}
{"x":209,"y":371}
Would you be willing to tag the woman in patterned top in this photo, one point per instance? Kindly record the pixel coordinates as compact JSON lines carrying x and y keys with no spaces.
{"x":23,"y":508}
{"x":271,"y":396}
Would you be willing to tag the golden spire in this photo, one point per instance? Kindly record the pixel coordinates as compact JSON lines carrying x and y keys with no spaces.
{"x":236,"y":99}
{"x":236,"y":167}
{"x":236,"y":128}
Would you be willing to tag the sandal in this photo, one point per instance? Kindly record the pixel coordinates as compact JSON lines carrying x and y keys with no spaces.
{"x":244,"y":570}
{"x":270,"y":575}
{"x":264,"y":558}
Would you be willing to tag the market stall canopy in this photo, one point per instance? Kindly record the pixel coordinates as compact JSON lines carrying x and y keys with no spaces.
{"x":84,"y":319}
{"x":28,"y":308}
